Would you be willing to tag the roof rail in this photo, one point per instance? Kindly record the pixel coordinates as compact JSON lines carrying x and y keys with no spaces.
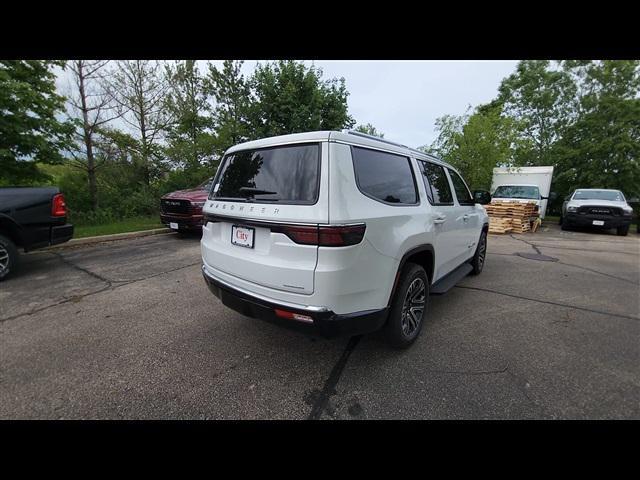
{"x":373,"y":137}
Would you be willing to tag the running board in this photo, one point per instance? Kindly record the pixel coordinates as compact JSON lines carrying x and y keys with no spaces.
{"x":447,"y":282}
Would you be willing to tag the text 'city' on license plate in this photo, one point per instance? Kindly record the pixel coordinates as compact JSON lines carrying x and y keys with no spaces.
{"x":242,"y":236}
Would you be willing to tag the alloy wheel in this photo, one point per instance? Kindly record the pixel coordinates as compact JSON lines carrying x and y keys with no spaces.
{"x":413,"y":307}
{"x":482,"y":250}
{"x":4,"y":259}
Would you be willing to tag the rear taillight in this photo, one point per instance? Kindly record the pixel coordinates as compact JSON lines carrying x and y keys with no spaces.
{"x":323,"y":236}
{"x":58,"y":206}
{"x":341,"y":236}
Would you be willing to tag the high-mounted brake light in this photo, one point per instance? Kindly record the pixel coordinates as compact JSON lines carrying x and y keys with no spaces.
{"x":58,"y":206}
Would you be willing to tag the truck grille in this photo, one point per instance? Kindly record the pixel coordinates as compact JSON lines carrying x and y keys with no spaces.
{"x":182,"y":207}
{"x":591,"y":210}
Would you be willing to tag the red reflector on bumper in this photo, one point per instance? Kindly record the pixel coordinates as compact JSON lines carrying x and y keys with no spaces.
{"x":293,"y":316}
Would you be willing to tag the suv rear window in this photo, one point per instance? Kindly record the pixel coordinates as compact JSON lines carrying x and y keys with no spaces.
{"x":283,"y":174}
{"x":384,"y":176}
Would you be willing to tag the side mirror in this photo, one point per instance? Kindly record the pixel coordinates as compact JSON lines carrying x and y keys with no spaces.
{"x":552,"y":196}
{"x":482,"y":197}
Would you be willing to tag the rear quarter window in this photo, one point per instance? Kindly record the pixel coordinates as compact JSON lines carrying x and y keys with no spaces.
{"x":385,"y":177}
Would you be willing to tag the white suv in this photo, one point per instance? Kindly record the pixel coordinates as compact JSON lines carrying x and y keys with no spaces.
{"x":339,"y":233}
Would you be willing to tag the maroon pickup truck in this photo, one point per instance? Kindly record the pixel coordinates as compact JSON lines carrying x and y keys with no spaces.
{"x":182,"y":210}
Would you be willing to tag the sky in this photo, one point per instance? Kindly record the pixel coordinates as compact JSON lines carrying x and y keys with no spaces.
{"x":403,"y":99}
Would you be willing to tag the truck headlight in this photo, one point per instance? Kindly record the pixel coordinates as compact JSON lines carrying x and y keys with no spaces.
{"x":572,"y":209}
{"x":627,"y":213}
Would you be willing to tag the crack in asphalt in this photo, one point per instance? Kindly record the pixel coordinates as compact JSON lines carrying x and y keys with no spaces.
{"x":329,"y":389}
{"x":537,"y":249}
{"x":585,"y":249}
{"x":68,"y":262}
{"x":557,"y":304}
{"x":110,"y":286}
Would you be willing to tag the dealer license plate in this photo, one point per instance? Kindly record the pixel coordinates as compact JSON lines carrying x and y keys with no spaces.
{"x":242,"y":236}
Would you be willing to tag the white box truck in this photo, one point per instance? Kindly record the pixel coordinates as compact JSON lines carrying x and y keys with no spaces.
{"x":522,"y":184}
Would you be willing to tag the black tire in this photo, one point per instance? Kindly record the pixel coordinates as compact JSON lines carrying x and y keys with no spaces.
{"x":403,"y":327}
{"x":477,"y":262}
{"x":565,"y":226}
{"x":8,"y":257}
{"x":622,"y":231}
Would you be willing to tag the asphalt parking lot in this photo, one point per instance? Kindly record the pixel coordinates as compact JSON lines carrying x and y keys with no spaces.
{"x":128,"y":330}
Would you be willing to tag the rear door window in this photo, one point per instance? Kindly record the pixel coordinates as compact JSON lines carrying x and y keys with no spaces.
{"x":385,"y":177}
{"x":285,"y":174}
{"x":462,"y":192}
{"x":436,"y":184}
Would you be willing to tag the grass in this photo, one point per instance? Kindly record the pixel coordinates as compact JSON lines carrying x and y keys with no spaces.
{"x":134,"y":224}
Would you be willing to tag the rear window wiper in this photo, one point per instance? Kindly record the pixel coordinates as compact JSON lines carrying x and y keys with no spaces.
{"x":255,"y":191}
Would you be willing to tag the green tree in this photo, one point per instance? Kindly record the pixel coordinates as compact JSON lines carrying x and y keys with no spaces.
{"x":369,"y":130}
{"x":190,"y":141}
{"x":601,"y":148}
{"x":232,"y":94}
{"x":292,"y":98}
{"x":29,"y":129}
{"x":475,"y":143}
{"x":541,"y":101}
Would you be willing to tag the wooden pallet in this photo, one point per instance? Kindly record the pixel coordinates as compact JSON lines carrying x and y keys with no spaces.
{"x":500,"y":225}
{"x":510,"y":217}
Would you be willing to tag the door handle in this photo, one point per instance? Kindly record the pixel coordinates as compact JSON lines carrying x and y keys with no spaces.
{"x":465,"y":217}
{"x":440,"y":219}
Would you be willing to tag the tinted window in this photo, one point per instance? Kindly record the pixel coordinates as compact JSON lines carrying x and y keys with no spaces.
{"x":287,"y":174}
{"x":384,"y":176}
{"x":436,"y":183}
{"x":462,"y":192}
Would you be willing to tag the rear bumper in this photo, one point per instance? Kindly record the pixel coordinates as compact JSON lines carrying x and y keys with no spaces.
{"x":46,"y":235}
{"x":186,"y":222}
{"x":586,"y":220}
{"x":324,"y":322}
{"x":61,"y":234}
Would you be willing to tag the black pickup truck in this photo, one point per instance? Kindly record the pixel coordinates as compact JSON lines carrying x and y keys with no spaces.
{"x":30,"y":218}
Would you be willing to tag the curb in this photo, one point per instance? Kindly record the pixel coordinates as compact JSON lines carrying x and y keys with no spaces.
{"x":108,"y":238}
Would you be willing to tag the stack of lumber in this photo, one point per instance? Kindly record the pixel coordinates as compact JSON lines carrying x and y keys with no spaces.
{"x":506,"y":217}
